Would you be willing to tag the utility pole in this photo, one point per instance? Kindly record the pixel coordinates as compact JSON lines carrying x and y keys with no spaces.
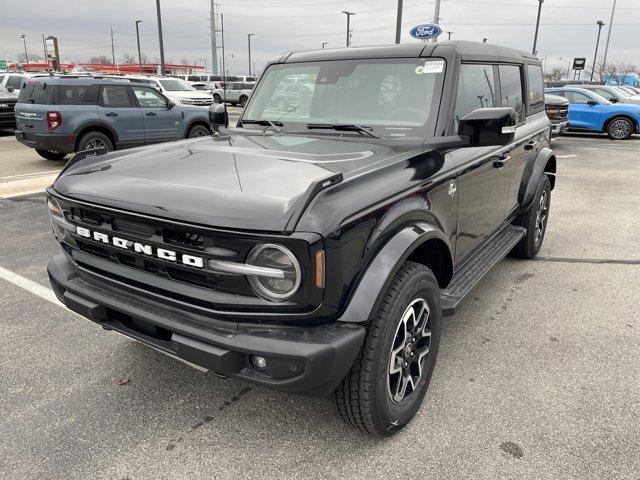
{"x":398,"y":21}
{"x":113,"y":49}
{"x":214,"y":46}
{"x":323,"y":44}
{"x":249,"y":43}
{"x":449,"y":35}
{"x":606,"y":48}
{"x":26,"y":55}
{"x":162,"y":69}
{"x":535,"y":36}
{"x":436,"y":18}
{"x":138,"y":22}
{"x":224,"y":71}
{"x":600,"y":23}
{"x":44,"y":49}
{"x":348,"y":14}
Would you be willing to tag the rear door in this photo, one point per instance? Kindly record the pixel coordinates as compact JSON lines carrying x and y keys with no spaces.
{"x":117,"y":110}
{"x":482,"y":181}
{"x":161,"y":123}
{"x":232,"y":92}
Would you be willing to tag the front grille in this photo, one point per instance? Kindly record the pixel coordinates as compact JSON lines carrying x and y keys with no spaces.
{"x":10,"y":107}
{"x":198,"y":101}
{"x":557,"y":112}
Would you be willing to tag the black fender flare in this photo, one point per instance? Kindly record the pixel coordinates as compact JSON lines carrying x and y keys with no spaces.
{"x":95,"y":124}
{"x":545,"y":161}
{"x":372,"y":285}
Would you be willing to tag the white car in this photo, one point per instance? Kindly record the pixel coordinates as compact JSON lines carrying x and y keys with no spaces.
{"x":13,"y":81}
{"x":200,"y":78}
{"x":176,"y":89}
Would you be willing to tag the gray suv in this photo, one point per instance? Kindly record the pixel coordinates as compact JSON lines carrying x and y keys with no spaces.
{"x":61,"y":115}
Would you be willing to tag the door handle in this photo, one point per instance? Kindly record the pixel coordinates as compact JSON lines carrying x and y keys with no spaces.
{"x":530,"y":145}
{"x":501,"y":161}
{"x":111,"y":114}
{"x":151,"y":114}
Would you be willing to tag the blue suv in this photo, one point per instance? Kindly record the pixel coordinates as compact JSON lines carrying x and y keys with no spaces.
{"x":590,"y":112}
{"x":61,"y":115}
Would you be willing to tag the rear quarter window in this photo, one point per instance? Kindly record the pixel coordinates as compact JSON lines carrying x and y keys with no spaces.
{"x":15,"y":81}
{"x":78,"y":94}
{"x":36,"y":93}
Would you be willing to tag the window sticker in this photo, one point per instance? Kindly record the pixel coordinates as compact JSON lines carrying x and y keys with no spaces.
{"x":434,"y":66}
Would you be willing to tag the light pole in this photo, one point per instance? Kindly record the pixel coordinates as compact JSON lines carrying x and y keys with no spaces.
{"x":449,"y":35}
{"x":348,"y":14}
{"x":398,"y":21}
{"x":162,"y":69}
{"x":606,"y":47}
{"x":535,"y":36}
{"x":323,"y":44}
{"x":436,"y":17}
{"x":600,"y":23}
{"x":249,"y":43}
{"x":24,"y":40}
{"x":138,"y":22}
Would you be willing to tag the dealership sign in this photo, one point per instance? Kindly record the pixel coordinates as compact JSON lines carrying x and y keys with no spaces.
{"x":425,"y":31}
{"x":579,"y":63}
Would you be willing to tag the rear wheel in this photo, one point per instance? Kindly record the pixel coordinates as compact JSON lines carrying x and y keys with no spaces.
{"x":243,"y":101}
{"x":51,"y":155}
{"x":198,"y":131}
{"x":95,"y":140}
{"x":535,"y":221}
{"x":386,"y":385}
{"x":620,"y":128}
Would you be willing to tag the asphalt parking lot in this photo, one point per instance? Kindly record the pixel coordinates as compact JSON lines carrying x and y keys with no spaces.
{"x":538,"y":374}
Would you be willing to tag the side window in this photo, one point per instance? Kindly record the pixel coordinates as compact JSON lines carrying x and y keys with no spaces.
{"x":476,"y":89}
{"x":604,"y":93}
{"x":15,"y":81}
{"x":114,"y":96}
{"x":577,"y":98}
{"x":78,"y":94}
{"x":536,"y":89}
{"x":193,"y":78}
{"x":1,"y":78}
{"x":41,"y":94}
{"x":511,"y":89}
{"x":149,"y":98}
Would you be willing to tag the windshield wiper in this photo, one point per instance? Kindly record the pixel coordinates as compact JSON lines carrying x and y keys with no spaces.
{"x":267,"y":123}
{"x":343,"y":127}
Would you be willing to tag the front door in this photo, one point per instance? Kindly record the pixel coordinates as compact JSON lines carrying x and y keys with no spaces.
{"x":584,"y":111}
{"x":483,"y":172}
{"x":117,"y":111}
{"x":161,"y":123}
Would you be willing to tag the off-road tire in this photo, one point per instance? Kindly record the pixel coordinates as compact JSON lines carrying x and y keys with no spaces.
{"x":50,"y":155}
{"x":198,"y":131}
{"x":620,"y":128}
{"x":217,"y":98}
{"x":530,"y":244}
{"x":363,"y":398}
{"x":90,"y":139}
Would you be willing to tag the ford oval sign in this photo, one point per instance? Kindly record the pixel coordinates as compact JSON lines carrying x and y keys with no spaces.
{"x":426,"y":30}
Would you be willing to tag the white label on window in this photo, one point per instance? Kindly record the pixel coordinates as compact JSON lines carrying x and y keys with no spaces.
{"x":434,"y":66}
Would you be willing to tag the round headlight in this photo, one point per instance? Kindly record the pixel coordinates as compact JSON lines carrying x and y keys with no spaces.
{"x":286,"y":277}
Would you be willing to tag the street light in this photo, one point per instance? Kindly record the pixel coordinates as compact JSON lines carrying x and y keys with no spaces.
{"x":535,"y":37}
{"x":348,"y":14}
{"x":249,"y":42}
{"x":24,"y":40}
{"x":159,"y":15}
{"x":138,"y":22}
{"x":600,"y":23}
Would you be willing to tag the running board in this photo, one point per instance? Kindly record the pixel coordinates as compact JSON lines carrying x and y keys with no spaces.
{"x":477,"y":266}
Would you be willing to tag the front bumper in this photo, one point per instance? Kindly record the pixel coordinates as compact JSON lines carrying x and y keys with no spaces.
{"x":558,"y":128}
{"x":52,"y":142}
{"x":305,"y":360}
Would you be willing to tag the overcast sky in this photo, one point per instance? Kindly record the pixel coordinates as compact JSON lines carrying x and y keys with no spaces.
{"x":568,"y":27}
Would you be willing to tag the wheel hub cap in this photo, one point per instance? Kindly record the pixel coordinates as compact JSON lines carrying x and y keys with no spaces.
{"x":411,"y":345}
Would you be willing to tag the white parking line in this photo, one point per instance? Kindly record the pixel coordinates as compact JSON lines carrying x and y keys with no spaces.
{"x":27,"y":175}
{"x":48,"y":295}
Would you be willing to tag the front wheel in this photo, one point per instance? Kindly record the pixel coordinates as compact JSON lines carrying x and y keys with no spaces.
{"x":50,"y":155}
{"x":620,"y":128}
{"x":386,"y":385}
{"x":217,"y":98}
{"x":198,"y":131}
{"x":243,"y":101}
{"x":535,"y":221}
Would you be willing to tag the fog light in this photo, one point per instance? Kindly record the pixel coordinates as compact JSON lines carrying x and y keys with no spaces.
{"x":259,"y":363}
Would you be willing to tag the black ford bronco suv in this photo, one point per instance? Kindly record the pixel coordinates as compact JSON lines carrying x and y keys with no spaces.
{"x":316,"y":250}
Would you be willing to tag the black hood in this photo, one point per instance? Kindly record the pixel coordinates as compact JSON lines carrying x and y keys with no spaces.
{"x":248,"y":182}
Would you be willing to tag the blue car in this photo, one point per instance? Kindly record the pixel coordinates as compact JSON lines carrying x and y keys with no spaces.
{"x":589,"y":111}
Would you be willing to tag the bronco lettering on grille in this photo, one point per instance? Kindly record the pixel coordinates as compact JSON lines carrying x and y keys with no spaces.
{"x":150,"y":250}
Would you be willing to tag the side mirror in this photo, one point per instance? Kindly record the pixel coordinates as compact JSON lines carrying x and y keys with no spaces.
{"x":170,"y":105}
{"x":486,"y":127}
{"x":10,"y":89}
{"x":218,"y":116}
{"x":613,"y":100}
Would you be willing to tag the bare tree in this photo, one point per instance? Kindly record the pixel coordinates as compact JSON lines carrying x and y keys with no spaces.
{"x":100,"y":59}
{"x":33,"y":57}
{"x":554,"y":75}
{"x":184,"y":61}
{"x":624,"y":71}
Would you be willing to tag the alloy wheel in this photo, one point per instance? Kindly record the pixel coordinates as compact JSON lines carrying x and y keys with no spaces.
{"x":620,"y":129}
{"x":95,"y":143}
{"x":411,"y":345}
{"x":541,"y":217}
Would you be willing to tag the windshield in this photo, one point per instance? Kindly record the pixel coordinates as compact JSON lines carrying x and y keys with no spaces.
{"x":394,"y":97}
{"x":175,"y":85}
{"x":622,"y":92}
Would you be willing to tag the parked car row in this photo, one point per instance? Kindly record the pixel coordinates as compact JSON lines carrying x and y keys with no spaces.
{"x":598,"y":108}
